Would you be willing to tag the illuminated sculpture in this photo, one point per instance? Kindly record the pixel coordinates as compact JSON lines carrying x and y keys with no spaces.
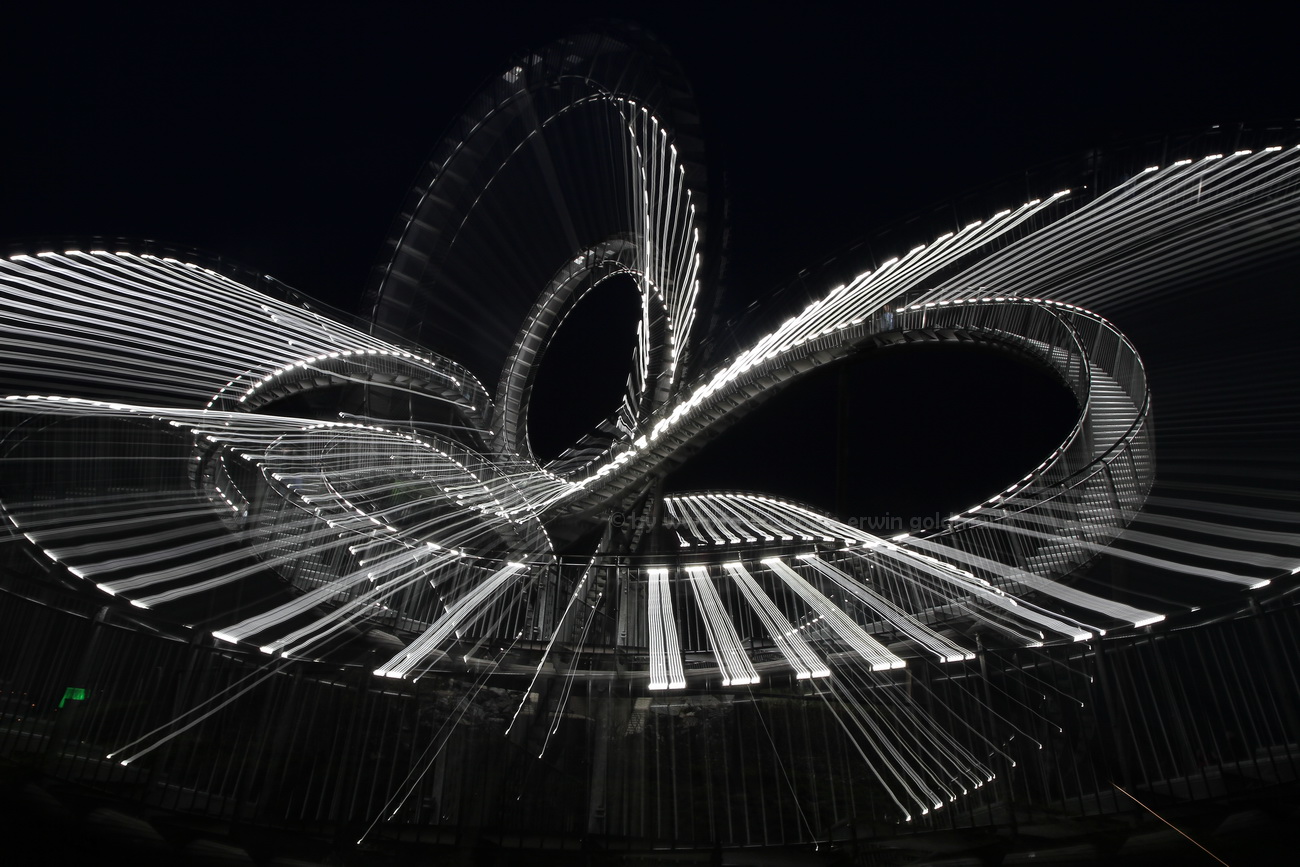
{"x":316,"y":494}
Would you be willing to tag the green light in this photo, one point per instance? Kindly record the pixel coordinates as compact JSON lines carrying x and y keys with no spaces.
{"x":75,"y":693}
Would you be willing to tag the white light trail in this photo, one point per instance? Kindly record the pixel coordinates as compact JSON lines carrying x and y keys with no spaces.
{"x":945,"y":650}
{"x":728,"y":647}
{"x":462,"y":612}
{"x":801,"y":657}
{"x":876,"y":655}
{"x":666,"y":670}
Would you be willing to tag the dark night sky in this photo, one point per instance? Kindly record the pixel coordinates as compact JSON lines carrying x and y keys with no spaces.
{"x":284,"y":136}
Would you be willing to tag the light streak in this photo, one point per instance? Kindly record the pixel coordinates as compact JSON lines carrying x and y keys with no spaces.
{"x":727,"y":644}
{"x":666,"y":671}
{"x":464,"y":610}
{"x":878,"y":657}
{"x":801,"y":657}
{"x":369,"y":517}
{"x":1181,"y":833}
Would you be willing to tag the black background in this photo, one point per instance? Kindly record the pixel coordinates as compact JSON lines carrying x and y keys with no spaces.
{"x":284,"y":136}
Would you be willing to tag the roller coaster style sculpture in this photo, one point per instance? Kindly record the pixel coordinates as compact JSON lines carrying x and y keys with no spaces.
{"x":288,"y":518}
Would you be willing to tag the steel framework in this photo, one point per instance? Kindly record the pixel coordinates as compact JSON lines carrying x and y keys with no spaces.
{"x":304,"y":570}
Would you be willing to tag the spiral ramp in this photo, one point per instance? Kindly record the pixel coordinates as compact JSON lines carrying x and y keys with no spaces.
{"x":229,"y":474}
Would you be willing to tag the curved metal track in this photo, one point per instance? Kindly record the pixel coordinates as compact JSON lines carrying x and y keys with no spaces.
{"x":239,"y":466}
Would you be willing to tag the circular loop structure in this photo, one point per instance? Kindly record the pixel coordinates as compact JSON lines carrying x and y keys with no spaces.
{"x":203,"y":474}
